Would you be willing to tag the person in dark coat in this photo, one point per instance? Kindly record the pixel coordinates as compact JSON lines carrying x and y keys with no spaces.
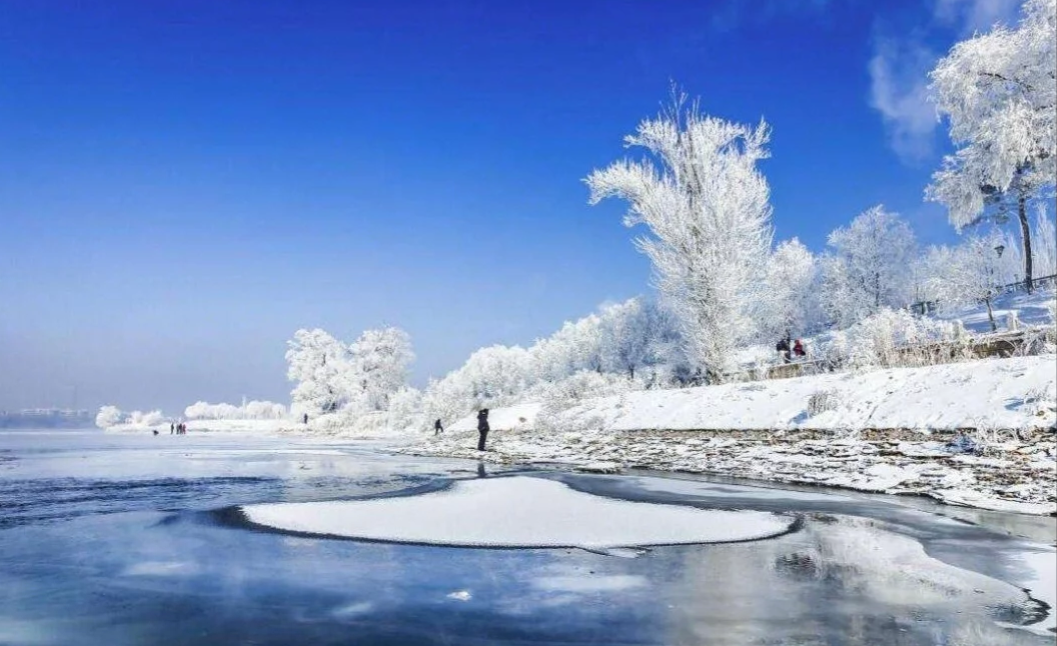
{"x":305,"y":419}
{"x":438,"y":428}
{"x":172,"y":428}
{"x":783,"y":349}
{"x":482,"y":428}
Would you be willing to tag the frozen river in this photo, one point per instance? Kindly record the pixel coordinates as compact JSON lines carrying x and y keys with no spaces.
{"x":122,"y":540}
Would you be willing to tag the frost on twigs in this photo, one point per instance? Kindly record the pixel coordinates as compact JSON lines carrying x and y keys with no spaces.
{"x":823,"y":401}
{"x":708,"y":214}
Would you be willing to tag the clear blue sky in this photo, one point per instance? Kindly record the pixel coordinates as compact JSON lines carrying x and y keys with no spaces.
{"x":184,"y":184}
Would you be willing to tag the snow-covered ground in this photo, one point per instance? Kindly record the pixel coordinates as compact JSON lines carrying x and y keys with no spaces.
{"x":1018,"y":394}
{"x":234,"y":426}
{"x":886,"y":430}
{"x":518,"y":512}
{"x":1029,"y":310}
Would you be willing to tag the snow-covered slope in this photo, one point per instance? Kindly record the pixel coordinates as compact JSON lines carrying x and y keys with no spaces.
{"x":1017,"y":393}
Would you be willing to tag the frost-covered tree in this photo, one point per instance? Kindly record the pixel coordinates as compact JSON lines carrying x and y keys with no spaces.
{"x":633,"y":335}
{"x":249,"y":410}
{"x":869,"y":267}
{"x":109,"y":416}
{"x":790,"y":299}
{"x":492,"y":376}
{"x":576,"y":346}
{"x":322,"y":368}
{"x":966,"y":274}
{"x":698,"y":191}
{"x":380,"y":362}
{"x":145,"y":418}
{"x":999,"y":93}
{"x":406,"y":410}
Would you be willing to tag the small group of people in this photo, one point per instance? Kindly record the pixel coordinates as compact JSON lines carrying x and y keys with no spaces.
{"x":177,"y":429}
{"x":788,"y":348}
{"x":482,"y":428}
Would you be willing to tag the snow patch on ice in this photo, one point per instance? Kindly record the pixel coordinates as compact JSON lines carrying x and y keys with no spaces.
{"x":518,"y":512}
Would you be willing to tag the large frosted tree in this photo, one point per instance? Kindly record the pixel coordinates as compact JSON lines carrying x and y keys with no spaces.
{"x":380,"y":362}
{"x":322,"y":368}
{"x":706,"y":206}
{"x":999,"y":93}
{"x":869,"y":266}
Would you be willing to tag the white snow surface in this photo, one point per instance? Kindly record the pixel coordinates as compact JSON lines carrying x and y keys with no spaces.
{"x":1030,"y":309}
{"x":1041,"y":582}
{"x":998,"y":393}
{"x":518,"y":512}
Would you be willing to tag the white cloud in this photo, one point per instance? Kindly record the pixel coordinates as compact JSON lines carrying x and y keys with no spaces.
{"x":968,"y":16}
{"x":899,"y":91}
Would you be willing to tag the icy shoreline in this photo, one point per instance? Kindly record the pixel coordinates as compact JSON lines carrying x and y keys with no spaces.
{"x":880,"y":431}
{"x":1016,"y":476}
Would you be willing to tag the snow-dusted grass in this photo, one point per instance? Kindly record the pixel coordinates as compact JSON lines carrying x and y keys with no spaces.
{"x":518,"y":512}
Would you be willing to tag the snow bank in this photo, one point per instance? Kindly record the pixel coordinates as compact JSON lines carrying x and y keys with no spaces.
{"x":1015,"y":393}
{"x":518,"y":512}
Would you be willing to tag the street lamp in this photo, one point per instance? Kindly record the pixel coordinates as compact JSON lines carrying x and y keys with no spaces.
{"x":999,"y":249}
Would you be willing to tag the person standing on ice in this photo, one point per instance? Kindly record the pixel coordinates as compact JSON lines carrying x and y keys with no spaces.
{"x":172,"y":428}
{"x":482,"y":428}
{"x":438,"y":428}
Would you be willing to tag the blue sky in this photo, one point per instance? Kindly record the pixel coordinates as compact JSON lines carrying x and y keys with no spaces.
{"x":184,"y":184}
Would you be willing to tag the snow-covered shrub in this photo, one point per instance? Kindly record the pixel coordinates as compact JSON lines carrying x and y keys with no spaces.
{"x":822,"y":401}
{"x":148,"y":418}
{"x":405,"y":411}
{"x":109,"y":416}
{"x":892,"y":338}
{"x":1012,"y":321}
{"x":249,"y":410}
{"x":557,"y":398}
{"x":264,"y":410}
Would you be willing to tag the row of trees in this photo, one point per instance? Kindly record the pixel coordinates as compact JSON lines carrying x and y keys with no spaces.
{"x":999,"y":94}
{"x":360,"y":376}
{"x":705,"y":204}
{"x":723,"y":283}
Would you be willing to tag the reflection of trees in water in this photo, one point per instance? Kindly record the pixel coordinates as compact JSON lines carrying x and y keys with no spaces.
{"x":839,"y":581}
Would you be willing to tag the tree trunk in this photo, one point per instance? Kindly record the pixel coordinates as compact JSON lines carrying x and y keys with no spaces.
{"x":1025,"y":235}
{"x":990,"y":314}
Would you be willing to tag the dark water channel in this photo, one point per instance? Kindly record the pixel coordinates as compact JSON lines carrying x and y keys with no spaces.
{"x":122,"y":540}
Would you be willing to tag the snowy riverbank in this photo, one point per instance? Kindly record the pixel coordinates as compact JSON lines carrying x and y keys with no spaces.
{"x":886,"y":430}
